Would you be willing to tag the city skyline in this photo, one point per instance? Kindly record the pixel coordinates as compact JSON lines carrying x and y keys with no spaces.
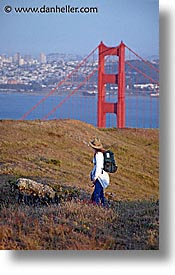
{"x":135,"y":22}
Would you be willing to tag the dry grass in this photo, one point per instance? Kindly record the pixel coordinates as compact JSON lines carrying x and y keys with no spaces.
{"x":68,"y":226}
{"x":77,"y":224}
{"x":56,"y":153}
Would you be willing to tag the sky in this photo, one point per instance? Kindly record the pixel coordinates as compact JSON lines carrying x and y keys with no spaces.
{"x":135,"y":22}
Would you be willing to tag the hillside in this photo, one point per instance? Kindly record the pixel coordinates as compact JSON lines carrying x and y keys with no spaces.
{"x":57,"y":153}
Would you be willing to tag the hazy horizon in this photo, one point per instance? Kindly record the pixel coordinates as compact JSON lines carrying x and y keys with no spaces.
{"x":135,"y":22}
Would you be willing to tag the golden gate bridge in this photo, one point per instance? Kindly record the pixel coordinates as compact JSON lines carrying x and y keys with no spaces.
{"x":113,"y":80}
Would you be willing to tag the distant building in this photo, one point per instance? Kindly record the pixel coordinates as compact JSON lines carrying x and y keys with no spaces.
{"x":28,"y":58}
{"x":21,"y":62}
{"x":16,"y":58}
{"x":42,"y":58}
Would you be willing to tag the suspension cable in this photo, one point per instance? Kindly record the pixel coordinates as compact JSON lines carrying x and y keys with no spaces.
{"x":78,"y":87}
{"x":59,"y":84}
{"x":149,"y":64}
{"x":139,"y":71}
{"x":70,"y":94}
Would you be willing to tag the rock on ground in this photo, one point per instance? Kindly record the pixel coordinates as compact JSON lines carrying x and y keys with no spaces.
{"x":33,"y":188}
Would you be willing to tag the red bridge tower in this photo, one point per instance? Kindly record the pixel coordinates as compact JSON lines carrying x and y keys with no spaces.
{"x":118,"y":107}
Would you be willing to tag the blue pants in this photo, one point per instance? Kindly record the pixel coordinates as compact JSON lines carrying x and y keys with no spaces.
{"x":98,"y":194}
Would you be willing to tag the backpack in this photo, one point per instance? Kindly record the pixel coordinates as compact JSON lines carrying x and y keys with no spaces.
{"x":110,"y":164}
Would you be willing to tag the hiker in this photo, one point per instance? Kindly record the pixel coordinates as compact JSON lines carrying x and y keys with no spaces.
{"x":98,"y":176}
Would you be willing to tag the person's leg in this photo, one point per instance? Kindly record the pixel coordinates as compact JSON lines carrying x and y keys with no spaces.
{"x":97,"y":192}
{"x":102,"y":198}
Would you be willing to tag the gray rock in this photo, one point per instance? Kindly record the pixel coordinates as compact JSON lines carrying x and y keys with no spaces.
{"x":33,"y":188}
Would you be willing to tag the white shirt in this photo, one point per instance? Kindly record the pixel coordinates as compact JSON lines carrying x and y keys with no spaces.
{"x":98,"y":172}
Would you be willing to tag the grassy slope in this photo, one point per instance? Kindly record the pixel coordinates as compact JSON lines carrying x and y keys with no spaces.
{"x":57,"y":152}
